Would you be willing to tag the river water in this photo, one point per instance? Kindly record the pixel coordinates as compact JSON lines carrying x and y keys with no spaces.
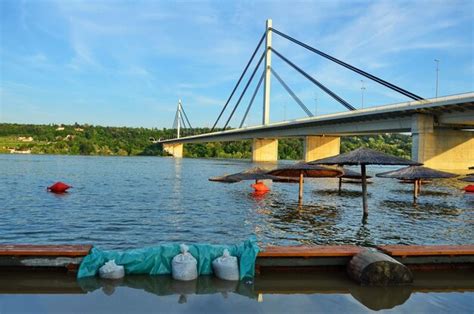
{"x":125,"y":202}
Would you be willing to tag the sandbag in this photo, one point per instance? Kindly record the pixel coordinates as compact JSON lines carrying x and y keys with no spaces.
{"x":156,"y":260}
{"x":110,"y":270}
{"x":226,"y":267}
{"x":184,"y":265}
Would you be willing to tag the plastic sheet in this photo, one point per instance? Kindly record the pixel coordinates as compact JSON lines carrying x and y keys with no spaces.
{"x":157,"y":260}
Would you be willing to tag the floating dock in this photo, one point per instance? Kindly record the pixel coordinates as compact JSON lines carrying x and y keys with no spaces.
{"x":424,"y":257}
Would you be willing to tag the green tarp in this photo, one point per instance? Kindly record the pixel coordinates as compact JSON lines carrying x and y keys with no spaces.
{"x":157,"y":260}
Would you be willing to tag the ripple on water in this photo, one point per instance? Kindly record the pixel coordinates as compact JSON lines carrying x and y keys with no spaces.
{"x":132,"y":202}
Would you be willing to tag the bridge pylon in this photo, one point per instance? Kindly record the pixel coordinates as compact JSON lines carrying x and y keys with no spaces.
{"x":267,"y":73}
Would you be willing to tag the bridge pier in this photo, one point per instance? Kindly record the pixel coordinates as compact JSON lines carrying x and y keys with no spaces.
{"x":175,"y":150}
{"x":441,"y":148}
{"x":317,"y":147}
{"x":264,"y":150}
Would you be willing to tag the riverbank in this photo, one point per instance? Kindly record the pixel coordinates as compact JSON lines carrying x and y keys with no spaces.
{"x":124,"y":141}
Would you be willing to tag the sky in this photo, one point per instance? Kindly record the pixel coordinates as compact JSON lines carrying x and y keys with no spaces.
{"x":126,"y":63}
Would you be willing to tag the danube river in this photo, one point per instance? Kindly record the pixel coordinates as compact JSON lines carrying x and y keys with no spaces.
{"x":125,"y":202}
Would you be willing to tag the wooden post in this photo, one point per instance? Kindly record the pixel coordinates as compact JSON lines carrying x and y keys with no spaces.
{"x":300,"y":194}
{"x":415,"y":190}
{"x":364,"y":191}
{"x":340,"y":184}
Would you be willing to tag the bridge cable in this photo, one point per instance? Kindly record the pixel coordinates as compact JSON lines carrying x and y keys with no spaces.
{"x":252,"y":99}
{"x":316,"y":82}
{"x":185,"y":127}
{"x":240,"y":79}
{"x":186,"y":116}
{"x":288,"y":89}
{"x":350,"y":67}
{"x":175,"y":122}
{"x":245,"y":89}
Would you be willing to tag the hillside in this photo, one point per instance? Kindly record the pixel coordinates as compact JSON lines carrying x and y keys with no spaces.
{"x":124,"y":141}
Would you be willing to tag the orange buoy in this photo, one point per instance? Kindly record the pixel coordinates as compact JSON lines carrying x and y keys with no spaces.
{"x":59,"y":187}
{"x":469,"y":188}
{"x":260,"y":187}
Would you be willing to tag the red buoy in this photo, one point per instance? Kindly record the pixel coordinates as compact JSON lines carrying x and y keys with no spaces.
{"x":260,"y":187}
{"x":469,"y":188}
{"x":59,"y":187}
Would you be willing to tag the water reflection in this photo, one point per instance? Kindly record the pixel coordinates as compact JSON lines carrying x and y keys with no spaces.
{"x":312,"y":284}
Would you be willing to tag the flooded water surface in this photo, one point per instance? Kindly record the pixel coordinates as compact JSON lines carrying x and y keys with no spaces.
{"x":120,"y":202}
{"x":314,"y":292}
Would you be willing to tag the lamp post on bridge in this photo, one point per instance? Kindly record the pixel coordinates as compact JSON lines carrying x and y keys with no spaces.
{"x":362,"y":89}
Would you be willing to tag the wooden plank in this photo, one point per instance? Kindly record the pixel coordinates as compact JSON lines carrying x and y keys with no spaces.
{"x":427,"y":250}
{"x":310,"y":251}
{"x":44,"y":250}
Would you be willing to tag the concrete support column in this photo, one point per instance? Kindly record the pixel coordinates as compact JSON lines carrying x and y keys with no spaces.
{"x":175,"y":150}
{"x":264,"y":149}
{"x":441,"y":148}
{"x":317,"y":147}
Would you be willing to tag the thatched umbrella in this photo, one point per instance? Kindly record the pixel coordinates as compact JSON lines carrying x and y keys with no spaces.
{"x":249,"y":174}
{"x":469,"y":178}
{"x":303,"y":169}
{"x":416,"y":174}
{"x":364,"y":157}
{"x":350,"y":174}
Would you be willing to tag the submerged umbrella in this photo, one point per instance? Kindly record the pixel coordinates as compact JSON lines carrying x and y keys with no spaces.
{"x":303,"y":169}
{"x":364,"y":157}
{"x":350,"y":174}
{"x":469,"y":178}
{"x":249,"y":174}
{"x":416,"y":174}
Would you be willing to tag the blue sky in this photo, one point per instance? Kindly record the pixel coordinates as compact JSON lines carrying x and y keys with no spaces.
{"x":126,"y":63}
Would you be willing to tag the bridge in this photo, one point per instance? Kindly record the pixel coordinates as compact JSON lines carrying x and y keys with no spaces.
{"x":442,"y":128}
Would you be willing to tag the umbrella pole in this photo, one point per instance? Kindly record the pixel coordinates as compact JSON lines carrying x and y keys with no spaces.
{"x":300,"y":194}
{"x":419,"y":186}
{"x":340,"y":184}
{"x":415,"y":192}
{"x":364,"y":191}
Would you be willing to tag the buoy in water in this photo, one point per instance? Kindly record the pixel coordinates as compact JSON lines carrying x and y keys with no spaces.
{"x":469,"y":188}
{"x":59,"y":187}
{"x":260,"y":187}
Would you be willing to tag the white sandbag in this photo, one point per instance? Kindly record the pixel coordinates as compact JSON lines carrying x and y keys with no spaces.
{"x":184,"y":265}
{"x":110,"y":270}
{"x":226,"y":267}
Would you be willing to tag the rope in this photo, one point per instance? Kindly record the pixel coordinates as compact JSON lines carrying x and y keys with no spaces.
{"x":240,"y":79}
{"x":245,"y":89}
{"x":288,"y":89}
{"x":324,"y":88}
{"x":251,"y":100}
{"x":350,"y":67}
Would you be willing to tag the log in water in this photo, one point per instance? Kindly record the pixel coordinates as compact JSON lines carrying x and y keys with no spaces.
{"x":377,"y":269}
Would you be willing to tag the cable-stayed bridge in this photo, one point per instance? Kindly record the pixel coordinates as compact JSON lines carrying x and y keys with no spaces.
{"x":442,"y":128}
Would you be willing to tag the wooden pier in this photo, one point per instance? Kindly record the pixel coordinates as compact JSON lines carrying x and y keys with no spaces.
{"x":275,"y":257}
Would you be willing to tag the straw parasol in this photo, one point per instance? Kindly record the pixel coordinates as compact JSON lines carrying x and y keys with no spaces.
{"x":416,"y":174}
{"x":303,"y":169}
{"x":350,"y":174}
{"x":364,"y":157}
{"x":469,"y":178}
{"x":249,"y":174}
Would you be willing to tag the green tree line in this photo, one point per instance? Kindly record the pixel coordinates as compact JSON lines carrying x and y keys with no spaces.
{"x":87,"y":139}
